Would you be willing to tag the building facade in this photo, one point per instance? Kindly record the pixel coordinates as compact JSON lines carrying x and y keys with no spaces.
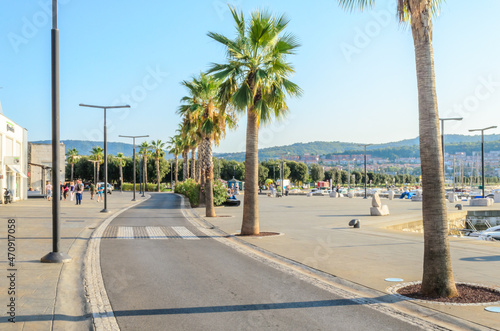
{"x":40,"y":165}
{"x":13,"y":158}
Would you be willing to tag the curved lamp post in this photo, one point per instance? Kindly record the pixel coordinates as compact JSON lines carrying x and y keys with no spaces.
{"x":105,"y":210}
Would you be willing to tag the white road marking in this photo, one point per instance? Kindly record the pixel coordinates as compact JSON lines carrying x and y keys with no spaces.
{"x":125,"y":232}
{"x":155,"y":232}
{"x":184,"y":233}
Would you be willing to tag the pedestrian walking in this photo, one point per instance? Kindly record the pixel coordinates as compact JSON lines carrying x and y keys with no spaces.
{"x":48,"y":189}
{"x":65,"y":191}
{"x":72,"y":190}
{"x":100,"y":189}
{"x":79,"y":191}
{"x":92,"y":191}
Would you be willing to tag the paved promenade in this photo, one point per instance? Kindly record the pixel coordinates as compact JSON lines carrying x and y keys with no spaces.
{"x":316,"y":233}
{"x":50,"y":296}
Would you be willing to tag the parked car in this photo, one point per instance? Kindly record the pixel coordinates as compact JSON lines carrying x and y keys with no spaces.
{"x":110,"y":187}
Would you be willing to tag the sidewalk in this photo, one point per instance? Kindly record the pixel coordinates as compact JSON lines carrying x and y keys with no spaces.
{"x":50,"y":296}
{"x":316,"y":234}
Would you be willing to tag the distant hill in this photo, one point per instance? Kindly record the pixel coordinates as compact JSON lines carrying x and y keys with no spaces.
{"x":402,"y":148}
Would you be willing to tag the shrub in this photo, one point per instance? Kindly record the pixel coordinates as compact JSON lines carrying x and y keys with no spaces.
{"x":190,"y":189}
{"x":220,"y":192}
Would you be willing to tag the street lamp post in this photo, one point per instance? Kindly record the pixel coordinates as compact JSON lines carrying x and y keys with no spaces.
{"x":133,"y":139}
{"x":105,"y":210}
{"x":482,"y":152}
{"x":55,"y":256}
{"x":442,"y":136}
{"x":365,"y":145}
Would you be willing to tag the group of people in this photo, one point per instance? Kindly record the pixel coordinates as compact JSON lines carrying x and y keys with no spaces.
{"x":75,"y":190}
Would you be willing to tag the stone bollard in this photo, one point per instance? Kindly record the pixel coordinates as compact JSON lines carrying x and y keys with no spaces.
{"x":390,"y":195}
{"x":354,"y":223}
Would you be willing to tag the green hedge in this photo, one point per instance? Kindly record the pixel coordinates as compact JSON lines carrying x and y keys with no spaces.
{"x":151,"y":187}
{"x":190,"y":189}
{"x":220,"y":192}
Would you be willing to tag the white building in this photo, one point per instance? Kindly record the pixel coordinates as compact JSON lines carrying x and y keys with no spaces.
{"x":13,"y":158}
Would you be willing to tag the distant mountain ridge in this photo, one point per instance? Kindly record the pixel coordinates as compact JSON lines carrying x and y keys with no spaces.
{"x":406,"y":147}
{"x":402,"y":148}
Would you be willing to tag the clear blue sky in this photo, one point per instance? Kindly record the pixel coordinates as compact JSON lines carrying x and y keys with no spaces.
{"x":357,"y":69}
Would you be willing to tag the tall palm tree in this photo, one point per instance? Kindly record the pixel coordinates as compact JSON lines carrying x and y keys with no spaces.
{"x":256,"y":82}
{"x":97,"y":154}
{"x":174,"y":146}
{"x":158,"y":146}
{"x":72,"y":157}
{"x":437,"y":280}
{"x":145,"y":151}
{"x":120,"y":160}
{"x":211,"y":118}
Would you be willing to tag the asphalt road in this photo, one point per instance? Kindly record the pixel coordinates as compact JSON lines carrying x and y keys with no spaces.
{"x":188,"y":281}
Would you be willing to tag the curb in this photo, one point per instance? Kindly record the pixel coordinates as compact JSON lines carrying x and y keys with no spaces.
{"x":103,"y":317}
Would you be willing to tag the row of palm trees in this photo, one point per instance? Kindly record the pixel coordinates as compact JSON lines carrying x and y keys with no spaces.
{"x":254,"y":80}
{"x":154,"y":149}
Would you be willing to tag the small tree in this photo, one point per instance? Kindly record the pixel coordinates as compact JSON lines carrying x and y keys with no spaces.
{"x":316,"y":172}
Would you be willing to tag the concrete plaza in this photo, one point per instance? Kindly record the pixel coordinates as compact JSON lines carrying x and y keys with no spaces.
{"x":316,"y":233}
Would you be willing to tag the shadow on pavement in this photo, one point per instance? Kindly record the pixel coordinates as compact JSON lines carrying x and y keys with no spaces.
{"x":493,"y":258}
{"x":250,"y":307}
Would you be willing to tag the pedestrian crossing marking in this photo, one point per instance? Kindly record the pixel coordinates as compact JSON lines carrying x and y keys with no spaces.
{"x":184,"y":233}
{"x":152,"y":232}
{"x":125,"y":232}
{"x":155,"y":232}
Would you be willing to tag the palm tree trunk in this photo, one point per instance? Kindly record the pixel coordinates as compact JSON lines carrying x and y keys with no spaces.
{"x":201,"y":163}
{"x":193,"y":163}
{"x":72,"y":166}
{"x":250,"y":224}
{"x":176,"y":168}
{"x":121,"y":176}
{"x":437,"y":280}
{"x":158,"y":174}
{"x":185,"y":165}
{"x":209,"y":177}
{"x":145,"y":173}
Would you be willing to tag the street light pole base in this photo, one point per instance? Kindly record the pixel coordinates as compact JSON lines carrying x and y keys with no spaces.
{"x":56,"y":257}
{"x":133,"y":199}
{"x":104,"y":211}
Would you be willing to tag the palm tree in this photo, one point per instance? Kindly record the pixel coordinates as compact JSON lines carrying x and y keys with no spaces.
{"x":211,"y":119}
{"x":72,"y":156}
{"x":256,"y":82}
{"x":437,"y":280}
{"x":145,"y":150}
{"x":97,"y":155}
{"x":174,"y":146}
{"x":158,"y":146}
{"x":120,"y":160}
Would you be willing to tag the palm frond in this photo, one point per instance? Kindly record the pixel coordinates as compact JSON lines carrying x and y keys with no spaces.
{"x":352,"y":5}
